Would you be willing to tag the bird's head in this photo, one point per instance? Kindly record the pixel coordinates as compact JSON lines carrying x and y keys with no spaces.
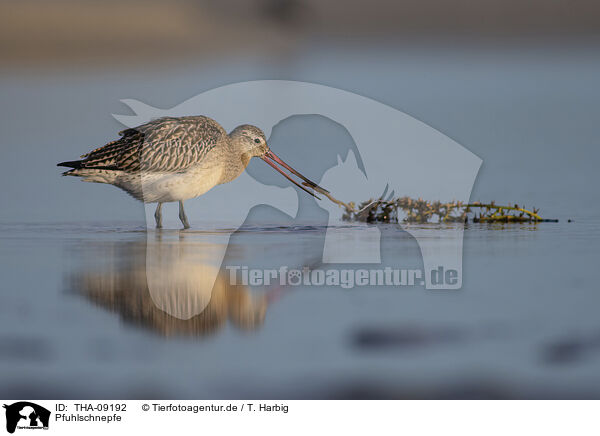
{"x":252,"y":142}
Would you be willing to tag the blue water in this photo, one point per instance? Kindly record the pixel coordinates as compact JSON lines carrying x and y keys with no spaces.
{"x":523,"y":325}
{"x":76,"y":319}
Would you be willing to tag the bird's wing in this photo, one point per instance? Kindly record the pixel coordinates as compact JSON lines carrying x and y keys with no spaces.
{"x":163,"y":145}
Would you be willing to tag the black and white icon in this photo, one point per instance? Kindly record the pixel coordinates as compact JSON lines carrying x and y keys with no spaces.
{"x":26,"y":415}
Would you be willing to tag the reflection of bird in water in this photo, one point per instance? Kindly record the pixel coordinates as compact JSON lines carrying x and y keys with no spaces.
{"x":170,"y":293}
{"x":174,"y":159}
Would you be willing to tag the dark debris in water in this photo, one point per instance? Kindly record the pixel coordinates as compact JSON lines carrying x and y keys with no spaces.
{"x":409,"y":210}
{"x":25,"y":349}
{"x":462,"y":390}
{"x":412,"y":210}
{"x":403,"y":338}
{"x":571,"y":350}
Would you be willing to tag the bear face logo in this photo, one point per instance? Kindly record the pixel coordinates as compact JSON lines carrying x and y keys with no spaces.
{"x":24,"y":414}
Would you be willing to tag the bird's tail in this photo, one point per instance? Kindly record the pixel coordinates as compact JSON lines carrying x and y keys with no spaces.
{"x":74,"y":165}
{"x":70,"y":164}
{"x":97,"y":175}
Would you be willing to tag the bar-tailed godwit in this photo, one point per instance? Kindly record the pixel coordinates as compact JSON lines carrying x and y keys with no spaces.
{"x":177,"y":158}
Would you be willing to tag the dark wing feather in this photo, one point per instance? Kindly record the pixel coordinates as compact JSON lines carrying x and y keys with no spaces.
{"x":163,"y":145}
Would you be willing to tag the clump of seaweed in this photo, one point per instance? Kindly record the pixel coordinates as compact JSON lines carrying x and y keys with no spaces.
{"x":422,"y":211}
{"x":410,"y":210}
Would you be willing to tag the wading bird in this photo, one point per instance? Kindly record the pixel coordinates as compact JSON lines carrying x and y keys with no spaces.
{"x":177,"y":158}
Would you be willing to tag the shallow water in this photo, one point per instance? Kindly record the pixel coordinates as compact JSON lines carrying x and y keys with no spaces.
{"x":77,"y":319}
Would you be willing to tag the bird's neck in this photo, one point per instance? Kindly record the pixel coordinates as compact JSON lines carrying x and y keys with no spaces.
{"x":235,"y":165}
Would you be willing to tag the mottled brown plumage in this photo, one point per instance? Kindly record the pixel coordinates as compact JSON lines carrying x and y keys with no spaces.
{"x":166,"y":144}
{"x":177,"y":158}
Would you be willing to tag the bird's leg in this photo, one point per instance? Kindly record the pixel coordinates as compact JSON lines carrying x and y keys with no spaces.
{"x":182,"y":217}
{"x":158,"y":216}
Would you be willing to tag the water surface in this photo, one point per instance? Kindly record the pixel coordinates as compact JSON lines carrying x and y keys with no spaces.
{"x":77,"y":319}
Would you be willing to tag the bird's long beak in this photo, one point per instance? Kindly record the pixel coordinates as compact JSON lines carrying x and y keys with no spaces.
{"x":272,"y":159}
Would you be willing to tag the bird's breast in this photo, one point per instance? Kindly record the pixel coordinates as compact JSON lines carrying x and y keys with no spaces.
{"x":167,"y":187}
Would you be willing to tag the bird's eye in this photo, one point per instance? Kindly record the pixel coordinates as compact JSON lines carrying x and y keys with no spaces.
{"x":257,"y":140}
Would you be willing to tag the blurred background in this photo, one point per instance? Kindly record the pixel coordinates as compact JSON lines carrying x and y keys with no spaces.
{"x":499,"y":77}
{"x":75,"y":34}
{"x":515,"y":82}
